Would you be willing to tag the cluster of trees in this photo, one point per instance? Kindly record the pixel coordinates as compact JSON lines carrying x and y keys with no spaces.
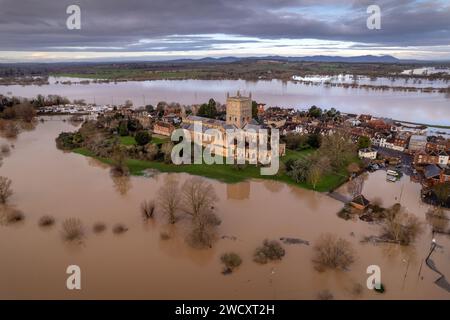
{"x":52,"y":99}
{"x":128,"y":126}
{"x":12,"y":108}
{"x":196,"y":198}
{"x":364,"y":142}
{"x":22,"y":111}
{"x":332,"y":252}
{"x":441,"y":192}
{"x":208,"y":110}
{"x":316,"y":112}
{"x":39,"y":101}
{"x":302,"y":141}
{"x":336,"y":151}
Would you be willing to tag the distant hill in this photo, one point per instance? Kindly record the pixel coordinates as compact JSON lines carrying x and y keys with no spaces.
{"x":320,"y":58}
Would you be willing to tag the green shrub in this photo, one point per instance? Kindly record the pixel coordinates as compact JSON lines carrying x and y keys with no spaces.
{"x":231,"y":261}
{"x":123,"y":129}
{"x":142,"y":138}
{"x":69,"y":140}
{"x":269,"y":251}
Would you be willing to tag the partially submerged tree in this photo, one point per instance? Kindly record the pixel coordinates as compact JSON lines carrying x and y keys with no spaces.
{"x":10,"y":129}
{"x":46,"y":221}
{"x":355,"y":186}
{"x":231,"y":261}
{"x":5,"y":189}
{"x":99,"y":227}
{"x":442,"y":192}
{"x":199,"y":199}
{"x":269,"y":251}
{"x":203,"y":230}
{"x":198,"y":196}
{"x":168,"y":198}
{"x":12,"y":216}
{"x":332,"y":252}
{"x":25,"y":111}
{"x":119,"y":166}
{"x":119,"y":228}
{"x":325,"y":295}
{"x":72,"y":229}
{"x":5,"y":149}
{"x":437,"y":218}
{"x":400,"y":226}
{"x":148,"y":209}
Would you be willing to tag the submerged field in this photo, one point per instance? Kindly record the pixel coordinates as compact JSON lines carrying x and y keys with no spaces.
{"x":228,"y":173}
{"x":142,"y":264}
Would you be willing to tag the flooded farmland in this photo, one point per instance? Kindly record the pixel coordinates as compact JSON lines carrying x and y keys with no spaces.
{"x":430,"y":108}
{"x":139,"y":264}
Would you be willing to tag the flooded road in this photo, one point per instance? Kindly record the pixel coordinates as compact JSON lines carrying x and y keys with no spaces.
{"x":140,"y":265}
{"x":429,"y":108}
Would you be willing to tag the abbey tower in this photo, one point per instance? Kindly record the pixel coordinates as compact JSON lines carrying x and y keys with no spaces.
{"x":239,"y":110}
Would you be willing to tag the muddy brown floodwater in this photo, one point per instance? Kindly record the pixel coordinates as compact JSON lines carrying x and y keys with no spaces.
{"x":139,"y":264}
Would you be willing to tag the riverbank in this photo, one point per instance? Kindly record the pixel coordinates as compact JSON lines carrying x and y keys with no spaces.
{"x":228,"y":173}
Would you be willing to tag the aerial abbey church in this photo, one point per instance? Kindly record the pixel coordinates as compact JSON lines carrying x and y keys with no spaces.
{"x":239,"y":110}
{"x":238,"y":116}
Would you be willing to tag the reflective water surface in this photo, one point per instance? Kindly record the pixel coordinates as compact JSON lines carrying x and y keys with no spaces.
{"x":139,"y":264}
{"x":430,"y":108}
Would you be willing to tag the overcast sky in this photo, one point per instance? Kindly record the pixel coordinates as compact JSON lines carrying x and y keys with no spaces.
{"x":33,"y":30}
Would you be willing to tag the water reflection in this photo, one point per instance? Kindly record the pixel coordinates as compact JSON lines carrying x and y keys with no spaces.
{"x":122,"y":184}
{"x":409,"y":106}
{"x":238,"y":191}
{"x":273,"y":186}
{"x":152,"y":260}
{"x":172,"y":241}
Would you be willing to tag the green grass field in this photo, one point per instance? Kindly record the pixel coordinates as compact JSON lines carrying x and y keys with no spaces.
{"x":229,"y":173}
{"x":130,"y":141}
{"x":127,"y":140}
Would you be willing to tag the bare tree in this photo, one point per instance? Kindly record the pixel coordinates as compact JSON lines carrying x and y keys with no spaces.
{"x":5,"y":189}
{"x":166,"y":149}
{"x":198,"y":196}
{"x":437,"y":218}
{"x":119,"y":166}
{"x":355,"y":186}
{"x":318,"y":168}
{"x":399,"y":226}
{"x":152,"y":151}
{"x":169,"y":198}
{"x":338,"y":147}
{"x":11,"y":129}
{"x":203,"y":230}
{"x":199,"y":199}
{"x":148,"y":209}
{"x":25,"y":111}
{"x":332,"y":252}
{"x":353,"y":167}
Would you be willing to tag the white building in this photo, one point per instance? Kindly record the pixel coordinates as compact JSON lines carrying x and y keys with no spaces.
{"x":367,"y":153}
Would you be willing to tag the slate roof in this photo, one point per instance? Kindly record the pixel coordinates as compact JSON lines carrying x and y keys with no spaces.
{"x":431,"y":171}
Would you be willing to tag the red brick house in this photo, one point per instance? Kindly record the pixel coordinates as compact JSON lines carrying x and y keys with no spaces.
{"x":163,"y":128}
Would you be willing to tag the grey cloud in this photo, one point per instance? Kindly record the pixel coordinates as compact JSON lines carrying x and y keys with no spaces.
{"x":40,"y":25}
